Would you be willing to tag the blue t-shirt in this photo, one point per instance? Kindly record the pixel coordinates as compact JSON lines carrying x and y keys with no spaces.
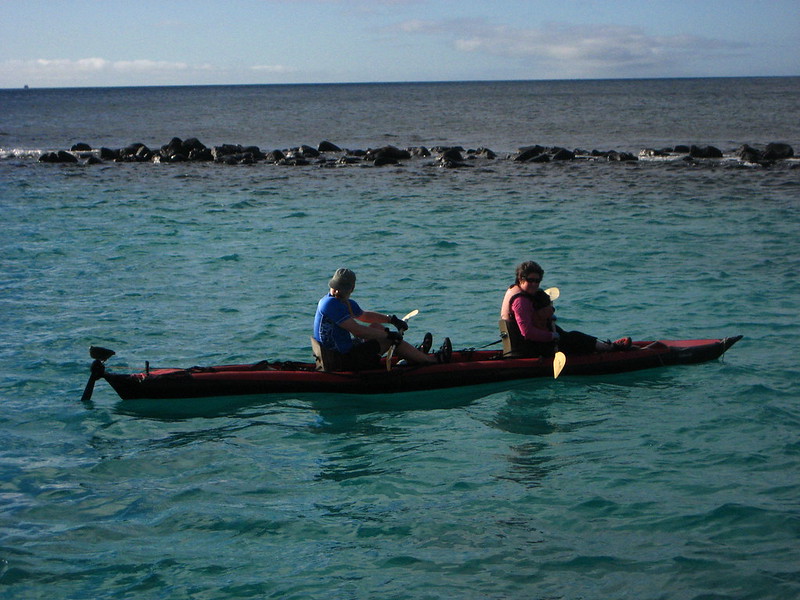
{"x":330,"y":312}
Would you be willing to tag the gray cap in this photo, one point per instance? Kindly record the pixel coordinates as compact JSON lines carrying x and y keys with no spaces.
{"x":343,"y":279}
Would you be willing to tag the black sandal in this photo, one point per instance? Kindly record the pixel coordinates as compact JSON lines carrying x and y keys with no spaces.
{"x":445,"y":353}
{"x":426,"y":344}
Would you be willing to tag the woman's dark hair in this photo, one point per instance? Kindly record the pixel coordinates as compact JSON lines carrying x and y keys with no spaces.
{"x":526,"y":268}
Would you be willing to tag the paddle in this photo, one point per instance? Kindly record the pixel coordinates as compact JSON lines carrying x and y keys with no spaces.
{"x":413,"y":313}
{"x":560,"y":359}
{"x":390,"y":353}
{"x":100,"y":355}
{"x":559,"y":362}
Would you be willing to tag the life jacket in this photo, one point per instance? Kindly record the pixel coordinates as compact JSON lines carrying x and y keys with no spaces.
{"x":542,"y":316}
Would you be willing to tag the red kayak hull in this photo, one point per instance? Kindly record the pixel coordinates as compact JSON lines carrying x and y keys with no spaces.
{"x":467,"y":367}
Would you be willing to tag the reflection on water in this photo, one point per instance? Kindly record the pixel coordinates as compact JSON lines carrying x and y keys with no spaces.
{"x":530,"y":463}
{"x":329,"y":404}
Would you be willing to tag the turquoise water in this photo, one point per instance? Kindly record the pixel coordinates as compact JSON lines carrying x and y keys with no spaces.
{"x":673,"y":483}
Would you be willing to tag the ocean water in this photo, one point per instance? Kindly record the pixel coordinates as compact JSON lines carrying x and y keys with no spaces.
{"x":677,"y":483}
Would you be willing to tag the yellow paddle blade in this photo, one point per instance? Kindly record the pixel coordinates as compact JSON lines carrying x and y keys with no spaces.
{"x":413,"y":313}
{"x":553,"y":292}
{"x":559,"y":360}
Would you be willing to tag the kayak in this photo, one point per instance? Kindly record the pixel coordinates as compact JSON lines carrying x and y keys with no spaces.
{"x":466,"y":367}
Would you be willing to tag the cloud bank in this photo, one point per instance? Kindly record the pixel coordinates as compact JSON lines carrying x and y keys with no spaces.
{"x":44,"y":72}
{"x":561,"y":50}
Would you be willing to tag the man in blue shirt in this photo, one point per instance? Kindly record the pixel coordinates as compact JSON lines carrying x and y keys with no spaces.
{"x":341,"y":325}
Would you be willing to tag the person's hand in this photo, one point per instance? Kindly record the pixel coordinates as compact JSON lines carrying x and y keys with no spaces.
{"x":400,"y":324}
{"x":541,"y":299}
{"x":394,"y":337}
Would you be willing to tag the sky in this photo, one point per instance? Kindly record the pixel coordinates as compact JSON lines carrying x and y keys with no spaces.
{"x":89,"y":43}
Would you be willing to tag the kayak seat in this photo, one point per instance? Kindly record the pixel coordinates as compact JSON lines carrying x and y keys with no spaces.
{"x":326,"y":360}
{"x":513,"y":342}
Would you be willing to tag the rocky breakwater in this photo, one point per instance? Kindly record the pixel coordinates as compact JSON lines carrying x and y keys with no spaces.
{"x":765,"y":156}
{"x":327,"y":154}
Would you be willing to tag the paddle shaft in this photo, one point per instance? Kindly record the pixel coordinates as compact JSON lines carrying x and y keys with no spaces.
{"x":390,"y":353}
{"x":559,"y":358}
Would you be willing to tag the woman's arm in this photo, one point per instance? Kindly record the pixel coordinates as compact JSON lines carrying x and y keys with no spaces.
{"x":528,"y":321}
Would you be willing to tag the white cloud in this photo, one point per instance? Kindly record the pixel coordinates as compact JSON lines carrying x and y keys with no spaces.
{"x":144,"y":66}
{"x":583,"y":51}
{"x":54,"y":65}
{"x":45,"y":72}
{"x":64,"y":68}
{"x":94,"y":71}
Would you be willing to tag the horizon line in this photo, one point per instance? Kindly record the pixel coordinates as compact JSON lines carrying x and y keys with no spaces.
{"x":27,"y":87}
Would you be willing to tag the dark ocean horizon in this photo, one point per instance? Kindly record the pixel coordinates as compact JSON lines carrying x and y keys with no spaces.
{"x":503,"y":115}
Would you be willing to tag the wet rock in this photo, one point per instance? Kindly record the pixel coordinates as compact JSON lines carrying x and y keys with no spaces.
{"x":220,"y":152}
{"x":192,"y":143}
{"x":174,"y":147}
{"x":144,"y":153}
{"x":528,"y":153}
{"x":447,"y":163}
{"x":705,"y":152}
{"x":109,"y":154}
{"x":563,"y":154}
{"x":255,"y":153}
{"x":451,"y":154}
{"x":274,"y":156}
{"x":381,"y":160}
{"x":191,"y":149}
{"x":178,"y":150}
{"x":615,"y":156}
{"x":201,"y":154}
{"x":303,"y":152}
{"x":326,"y":146}
{"x":778,"y":151}
{"x":652,"y":153}
{"x":296,"y":161}
{"x":62,"y":156}
{"x":387,"y":155}
{"x":136,"y":152}
{"x":749,"y":154}
{"x":227,"y":159}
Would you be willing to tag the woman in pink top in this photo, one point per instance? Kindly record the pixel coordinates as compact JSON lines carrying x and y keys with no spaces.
{"x":530,"y":310}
